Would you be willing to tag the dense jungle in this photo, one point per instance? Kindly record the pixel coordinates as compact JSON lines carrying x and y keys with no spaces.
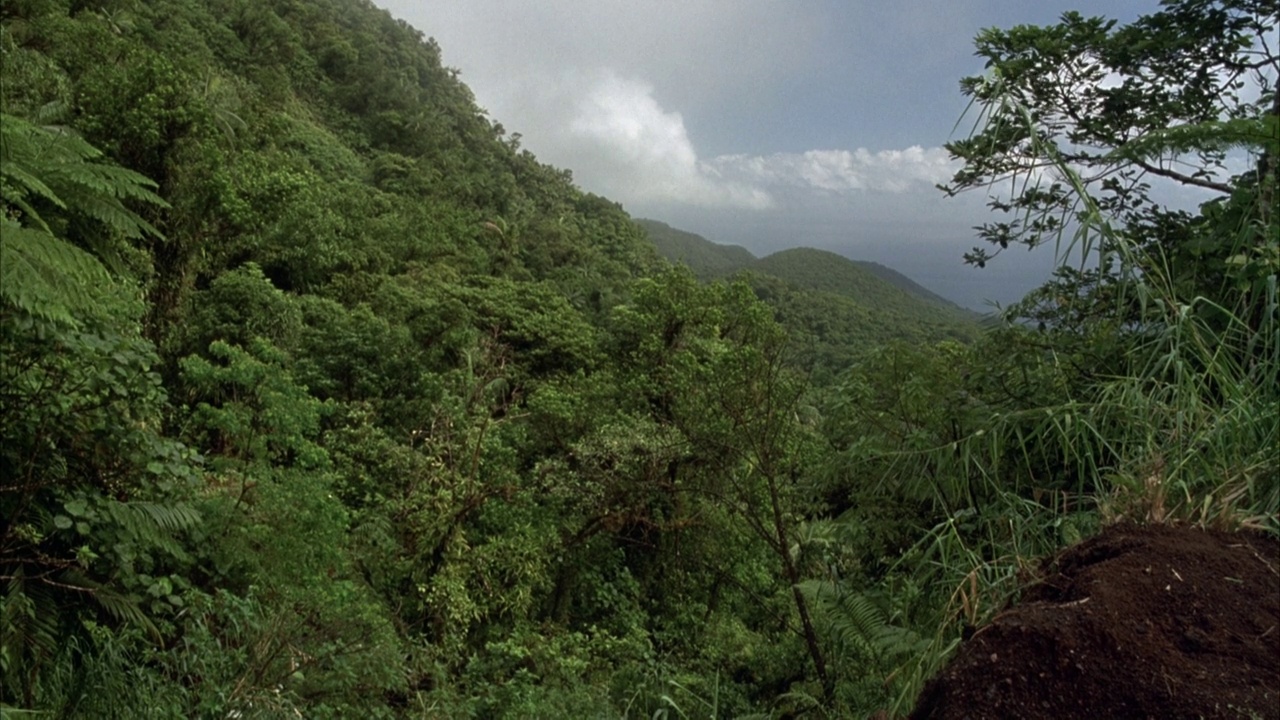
{"x":323,"y":398}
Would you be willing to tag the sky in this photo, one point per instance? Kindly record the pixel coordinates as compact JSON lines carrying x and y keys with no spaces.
{"x":761,"y":123}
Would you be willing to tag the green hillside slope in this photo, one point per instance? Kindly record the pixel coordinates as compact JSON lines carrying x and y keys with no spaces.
{"x":902,"y":282}
{"x":706,"y":259}
{"x":826,"y":271}
{"x":829,"y":330}
{"x":324,"y":398}
{"x":320,"y":397}
{"x":832,"y":306}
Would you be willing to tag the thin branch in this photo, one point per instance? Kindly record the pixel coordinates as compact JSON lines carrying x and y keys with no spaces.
{"x":1184,"y":179}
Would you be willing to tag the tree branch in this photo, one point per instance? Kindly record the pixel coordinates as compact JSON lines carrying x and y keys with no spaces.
{"x":1184,"y":179}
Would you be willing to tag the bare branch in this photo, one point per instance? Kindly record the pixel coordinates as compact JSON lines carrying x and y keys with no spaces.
{"x":1184,"y":179}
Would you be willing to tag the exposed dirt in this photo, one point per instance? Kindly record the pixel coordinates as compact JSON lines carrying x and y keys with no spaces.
{"x":1150,"y":622}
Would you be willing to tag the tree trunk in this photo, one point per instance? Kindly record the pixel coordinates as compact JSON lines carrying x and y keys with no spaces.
{"x":792,"y":573}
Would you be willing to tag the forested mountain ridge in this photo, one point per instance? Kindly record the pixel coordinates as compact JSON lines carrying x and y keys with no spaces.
{"x":707,"y":260}
{"x":829,"y":304}
{"x":899,"y":280}
{"x":323,"y":398}
{"x":710,"y":260}
{"x":364,"y":342}
{"x":869,"y":283}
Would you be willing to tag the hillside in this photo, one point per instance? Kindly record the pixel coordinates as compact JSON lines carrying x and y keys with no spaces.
{"x":322,"y":397}
{"x":707,"y":260}
{"x":831,"y":306}
{"x":902,"y":282}
{"x":883,"y":289}
{"x":710,"y":260}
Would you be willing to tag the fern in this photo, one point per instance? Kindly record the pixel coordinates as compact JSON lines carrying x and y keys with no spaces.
{"x":853,"y":620}
{"x":29,"y":629}
{"x":124,"y":608}
{"x":152,"y":523}
{"x":854,"y":623}
{"x":45,"y":276}
{"x":179,"y":516}
{"x":59,"y":166}
{"x":48,"y":178}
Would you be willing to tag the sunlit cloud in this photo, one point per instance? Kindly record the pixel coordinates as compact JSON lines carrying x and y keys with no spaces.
{"x":643,"y":152}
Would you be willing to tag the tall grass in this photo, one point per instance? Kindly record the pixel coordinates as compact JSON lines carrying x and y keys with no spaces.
{"x":1187,"y":432}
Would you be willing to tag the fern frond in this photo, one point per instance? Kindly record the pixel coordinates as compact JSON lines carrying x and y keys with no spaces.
{"x":59,"y":167}
{"x":18,"y":174}
{"x":851,"y":620}
{"x":858,"y":622}
{"x":53,"y":172}
{"x":175,"y":517}
{"x":111,"y":213}
{"x":123,"y":608}
{"x":126,"y":184}
{"x":28,"y":213}
{"x":51,"y":113}
{"x":28,"y":627}
{"x":45,"y":276}
{"x":151,"y":524}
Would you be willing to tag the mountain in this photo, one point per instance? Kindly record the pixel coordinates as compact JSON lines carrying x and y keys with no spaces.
{"x":903,"y":282}
{"x":831,"y":306}
{"x":706,"y":259}
{"x":825,"y":271}
{"x":709,"y":259}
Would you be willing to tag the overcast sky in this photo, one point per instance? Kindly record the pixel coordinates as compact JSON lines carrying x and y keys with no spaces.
{"x":761,"y":123}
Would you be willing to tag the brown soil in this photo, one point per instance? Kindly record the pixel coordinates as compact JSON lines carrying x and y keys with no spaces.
{"x":1150,"y":622}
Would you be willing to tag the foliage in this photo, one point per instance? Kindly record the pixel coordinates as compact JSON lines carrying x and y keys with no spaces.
{"x":1184,"y":85}
{"x":356,"y":408}
{"x":706,"y":259}
{"x":827,"y":303}
{"x":63,"y":213}
{"x":94,"y":496}
{"x":1143,"y":386}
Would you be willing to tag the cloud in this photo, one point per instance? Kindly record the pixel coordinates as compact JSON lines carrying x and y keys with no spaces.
{"x":626,"y":145}
{"x":843,"y":171}
{"x":643,"y":153}
{"x":640,"y":104}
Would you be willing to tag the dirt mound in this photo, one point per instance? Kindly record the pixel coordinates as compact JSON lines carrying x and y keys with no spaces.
{"x":1151,"y":622}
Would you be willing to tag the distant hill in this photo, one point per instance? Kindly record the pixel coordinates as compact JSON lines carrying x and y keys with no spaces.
{"x":830,"y":304}
{"x":866,"y":282}
{"x":706,"y":259}
{"x":896,"y":278}
{"x":709,"y":259}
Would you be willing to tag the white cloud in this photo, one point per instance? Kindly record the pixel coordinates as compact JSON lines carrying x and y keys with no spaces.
{"x":609,"y":90}
{"x":643,"y":152}
{"x":843,"y":171}
{"x":629,"y":147}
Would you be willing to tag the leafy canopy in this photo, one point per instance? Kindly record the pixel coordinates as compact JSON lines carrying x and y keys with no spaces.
{"x":1132,"y":110}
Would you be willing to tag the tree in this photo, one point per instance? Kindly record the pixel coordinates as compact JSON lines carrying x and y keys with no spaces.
{"x":1130,"y":111}
{"x":709,"y":362}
